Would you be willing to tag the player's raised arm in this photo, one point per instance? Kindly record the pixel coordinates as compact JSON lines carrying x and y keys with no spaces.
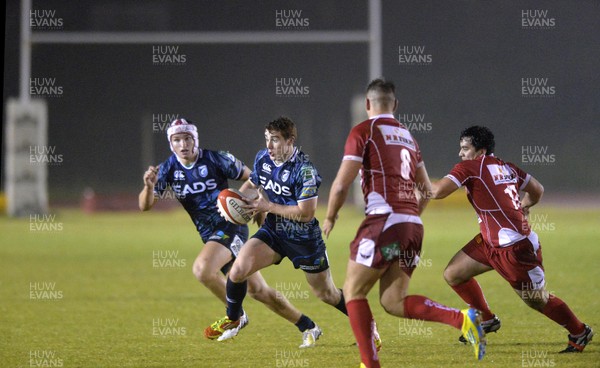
{"x":146,"y":198}
{"x":339,"y":192}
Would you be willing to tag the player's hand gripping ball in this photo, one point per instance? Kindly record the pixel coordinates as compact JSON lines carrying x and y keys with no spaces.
{"x":230,"y":204}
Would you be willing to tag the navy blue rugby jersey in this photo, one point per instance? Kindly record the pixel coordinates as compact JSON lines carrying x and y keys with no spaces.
{"x":289,"y":183}
{"x":197,"y":187}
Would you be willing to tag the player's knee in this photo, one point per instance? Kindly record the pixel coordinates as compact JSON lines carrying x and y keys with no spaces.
{"x":236,"y":274}
{"x":538,"y":302}
{"x":202,"y":273}
{"x":393,"y":308}
{"x":451,"y":276}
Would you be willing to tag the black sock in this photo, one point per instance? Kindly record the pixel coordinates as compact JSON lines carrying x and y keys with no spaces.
{"x":341,"y":306}
{"x":236,"y":292}
{"x":305,"y":323}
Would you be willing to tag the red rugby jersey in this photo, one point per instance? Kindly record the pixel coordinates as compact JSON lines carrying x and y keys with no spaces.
{"x":390,"y":157}
{"x":493,"y":189}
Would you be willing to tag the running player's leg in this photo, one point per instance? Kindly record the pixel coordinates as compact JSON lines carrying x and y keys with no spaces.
{"x":322,"y":286}
{"x":278,"y":303}
{"x":522,"y":267}
{"x":557,"y":310}
{"x":254,"y":256}
{"x":259,"y":289}
{"x":359,"y":281}
{"x":393,"y":288}
{"x":207,"y":267}
{"x":461,"y":270}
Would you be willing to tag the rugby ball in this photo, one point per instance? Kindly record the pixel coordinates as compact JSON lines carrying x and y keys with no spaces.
{"x":230,"y":204}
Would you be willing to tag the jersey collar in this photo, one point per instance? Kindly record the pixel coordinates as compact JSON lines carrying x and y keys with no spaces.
{"x":194,"y":163}
{"x":381,"y":116}
{"x":290,"y":159}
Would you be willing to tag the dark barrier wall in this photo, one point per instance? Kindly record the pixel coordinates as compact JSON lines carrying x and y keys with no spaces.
{"x":527,"y":69}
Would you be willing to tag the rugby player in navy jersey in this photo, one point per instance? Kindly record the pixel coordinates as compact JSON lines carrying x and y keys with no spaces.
{"x":196,"y":176}
{"x":287,"y":184}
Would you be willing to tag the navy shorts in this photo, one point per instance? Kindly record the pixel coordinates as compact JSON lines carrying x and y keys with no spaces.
{"x":232,"y":237}
{"x":309,"y":255}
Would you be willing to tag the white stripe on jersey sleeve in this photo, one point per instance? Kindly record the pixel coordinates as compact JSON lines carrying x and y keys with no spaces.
{"x":306,"y":199}
{"x":455,"y":180}
{"x":352,"y":158}
{"x":525,"y":182}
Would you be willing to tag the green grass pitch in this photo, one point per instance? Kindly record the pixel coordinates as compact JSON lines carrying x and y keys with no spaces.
{"x":116,"y":290}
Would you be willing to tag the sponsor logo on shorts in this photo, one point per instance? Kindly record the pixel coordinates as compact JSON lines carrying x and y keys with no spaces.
{"x":366,"y":250}
{"x":219,"y":235}
{"x":236,"y":245}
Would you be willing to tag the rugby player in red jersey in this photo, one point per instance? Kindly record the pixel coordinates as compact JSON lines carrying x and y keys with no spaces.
{"x":505,"y":243}
{"x":388,"y":242}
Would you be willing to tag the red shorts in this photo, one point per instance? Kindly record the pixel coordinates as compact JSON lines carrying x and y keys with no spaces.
{"x":381,"y":239}
{"x":520,"y":263}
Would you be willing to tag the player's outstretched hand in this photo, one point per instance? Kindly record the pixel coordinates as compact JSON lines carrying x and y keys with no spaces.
{"x":151,"y":176}
{"x":327,"y":227}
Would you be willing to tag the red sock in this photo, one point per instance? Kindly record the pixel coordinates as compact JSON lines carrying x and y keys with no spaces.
{"x":559,"y":312}
{"x":420,"y":307}
{"x":472,"y":294}
{"x":361,"y":320}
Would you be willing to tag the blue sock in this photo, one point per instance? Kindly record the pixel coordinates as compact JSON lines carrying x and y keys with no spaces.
{"x":236,"y":292}
{"x":341,"y":306}
{"x":305,"y":323}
